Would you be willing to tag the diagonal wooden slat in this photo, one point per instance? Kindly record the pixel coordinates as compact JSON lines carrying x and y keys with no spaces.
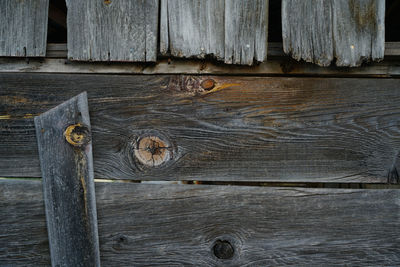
{"x":65,"y":152}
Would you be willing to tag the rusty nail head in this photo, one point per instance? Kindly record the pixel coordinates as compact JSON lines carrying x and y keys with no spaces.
{"x":77,"y":135}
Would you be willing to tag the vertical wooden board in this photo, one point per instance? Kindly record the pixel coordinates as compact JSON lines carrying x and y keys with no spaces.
{"x":65,"y":152}
{"x":179,"y":225}
{"x":350,"y":31}
{"x":231,"y":30}
{"x":358,"y":31}
{"x":307,"y":30}
{"x":23,"y":28}
{"x":246,"y":26}
{"x":112,"y":30}
{"x":192,"y":28}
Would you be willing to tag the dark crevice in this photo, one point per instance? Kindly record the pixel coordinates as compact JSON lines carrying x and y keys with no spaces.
{"x":244,"y":183}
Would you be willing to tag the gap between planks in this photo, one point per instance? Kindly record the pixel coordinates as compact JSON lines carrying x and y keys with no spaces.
{"x":241,"y":183}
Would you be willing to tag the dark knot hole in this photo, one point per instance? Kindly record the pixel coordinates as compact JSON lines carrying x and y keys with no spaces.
{"x":223,"y":249}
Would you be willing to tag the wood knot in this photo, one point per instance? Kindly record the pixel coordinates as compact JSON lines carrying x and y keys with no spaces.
{"x":151,"y":151}
{"x":77,"y":135}
{"x":187,"y":84}
{"x":208,"y":84}
{"x":223,"y":249}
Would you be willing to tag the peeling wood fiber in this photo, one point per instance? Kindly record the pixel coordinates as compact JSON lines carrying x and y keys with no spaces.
{"x":231,"y":30}
{"x":23,"y":28}
{"x":349,"y":32}
{"x":116,"y":30}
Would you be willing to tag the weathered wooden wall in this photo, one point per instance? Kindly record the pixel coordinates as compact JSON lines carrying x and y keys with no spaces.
{"x":121,"y":30}
{"x":174,"y":225}
{"x":348,"y":31}
{"x":243,"y":129}
{"x":23,"y":28}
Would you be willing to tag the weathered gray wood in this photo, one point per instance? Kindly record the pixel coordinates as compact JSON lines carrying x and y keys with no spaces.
{"x":23,"y":28}
{"x":350,"y":31}
{"x":170,"y":225}
{"x":65,"y":152}
{"x":230,"y":30}
{"x":277,"y":66}
{"x":245,"y":129}
{"x":112,"y":30}
{"x":246,"y":27}
{"x":275,"y":50}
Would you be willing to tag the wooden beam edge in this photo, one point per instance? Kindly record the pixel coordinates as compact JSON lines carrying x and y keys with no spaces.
{"x":281,"y":66}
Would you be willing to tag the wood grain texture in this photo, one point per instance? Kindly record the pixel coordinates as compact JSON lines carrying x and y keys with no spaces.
{"x":170,"y":225}
{"x":116,"y":30}
{"x":275,"y":50}
{"x":277,"y":66}
{"x":244,"y":129}
{"x":230,"y":30}
{"x":348,"y":31}
{"x":23,"y":28}
{"x":65,"y":152}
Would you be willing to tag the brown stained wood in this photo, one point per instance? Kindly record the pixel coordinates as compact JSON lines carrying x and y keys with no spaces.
{"x":65,"y":152}
{"x":190,"y":225}
{"x":350,"y":31}
{"x":23,"y":28}
{"x":231,"y":30}
{"x":244,"y":129}
{"x":114,"y":30}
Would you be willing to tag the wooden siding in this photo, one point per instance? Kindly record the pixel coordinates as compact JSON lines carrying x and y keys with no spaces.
{"x":243,"y":129}
{"x":122,"y":30}
{"x":348,"y":31}
{"x":231,"y":30}
{"x":175,"y":225}
{"x":23,"y":28}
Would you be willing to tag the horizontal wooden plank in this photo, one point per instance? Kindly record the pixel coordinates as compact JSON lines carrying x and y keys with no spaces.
{"x":59,"y":50}
{"x":121,"y":30}
{"x":23,"y":28}
{"x":243,"y":129}
{"x":280,"y":66}
{"x":190,"y":225}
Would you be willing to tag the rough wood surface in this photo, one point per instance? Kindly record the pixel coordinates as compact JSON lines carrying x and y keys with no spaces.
{"x":170,"y":225}
{"x":230,"y":30}
{"x":59,"y":50}
{"x":23,"y":28}
{"x":277,"y":66}
{"x":111,"y":30}
{"x":65,"y":152}
{"x":350,"y":31}
{"x":243,"y":129}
